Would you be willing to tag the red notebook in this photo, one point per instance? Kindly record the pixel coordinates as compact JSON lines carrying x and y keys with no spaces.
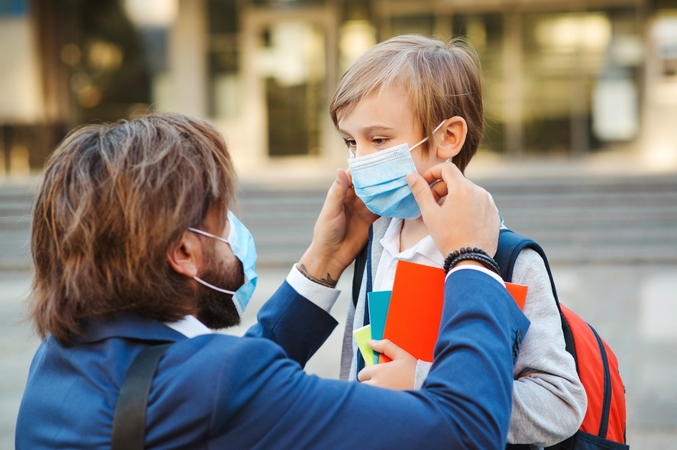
{"x":416,"y":308}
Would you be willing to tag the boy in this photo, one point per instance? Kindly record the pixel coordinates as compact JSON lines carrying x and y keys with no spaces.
{"x":419,"y":92}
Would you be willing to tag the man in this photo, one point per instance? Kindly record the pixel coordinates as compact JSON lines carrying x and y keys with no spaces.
{"x":133,"y":245}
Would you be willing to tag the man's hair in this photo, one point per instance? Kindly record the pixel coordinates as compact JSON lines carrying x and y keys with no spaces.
{"x":441,"y":80}
{"x":114,"y":197}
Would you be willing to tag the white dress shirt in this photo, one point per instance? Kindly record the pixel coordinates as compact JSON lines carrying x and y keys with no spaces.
{"x":423,"y":252}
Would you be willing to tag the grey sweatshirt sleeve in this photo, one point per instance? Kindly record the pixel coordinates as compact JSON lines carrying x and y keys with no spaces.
{"x":549,"y":401}
{"x":353,"y":322}
{"x":347,"y":348}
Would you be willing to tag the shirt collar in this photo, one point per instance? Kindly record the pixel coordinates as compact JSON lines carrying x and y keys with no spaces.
{"x":189,"y":326}
{"x":425,"y":247}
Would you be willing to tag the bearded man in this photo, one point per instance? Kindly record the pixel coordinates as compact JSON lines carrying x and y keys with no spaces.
{"x":134,"y":244}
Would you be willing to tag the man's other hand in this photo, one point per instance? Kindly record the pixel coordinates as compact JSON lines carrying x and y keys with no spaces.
{"x":341,"y":231}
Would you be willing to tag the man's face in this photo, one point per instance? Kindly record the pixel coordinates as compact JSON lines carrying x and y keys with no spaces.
{"x":221,"y":268}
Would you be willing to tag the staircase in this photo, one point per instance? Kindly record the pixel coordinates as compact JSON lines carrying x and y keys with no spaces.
{"x":614,"y":220}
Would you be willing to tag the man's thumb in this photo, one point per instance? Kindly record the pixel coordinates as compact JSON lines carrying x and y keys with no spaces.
{"x":339,"y":188}
{"x":422,"y":193}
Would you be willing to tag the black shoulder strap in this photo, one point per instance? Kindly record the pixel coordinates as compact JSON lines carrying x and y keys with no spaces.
{"x":510,"y":244}
{"x":129,"y":419}
{"x":360,"y":263}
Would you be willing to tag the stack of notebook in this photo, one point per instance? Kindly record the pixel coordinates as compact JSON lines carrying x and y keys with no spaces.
{"x":410,"y":314}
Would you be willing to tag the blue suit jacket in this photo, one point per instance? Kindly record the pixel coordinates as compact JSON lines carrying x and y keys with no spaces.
{"x":219,"y":391}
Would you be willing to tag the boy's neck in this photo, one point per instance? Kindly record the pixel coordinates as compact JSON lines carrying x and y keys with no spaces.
{"x":413,"y":230}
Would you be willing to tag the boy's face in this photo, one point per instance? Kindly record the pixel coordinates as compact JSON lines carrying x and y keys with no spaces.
{"x":379,"y":122}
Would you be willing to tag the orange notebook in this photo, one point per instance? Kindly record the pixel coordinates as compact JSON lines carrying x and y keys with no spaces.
{"x":518,"y":292}
{"x":416,"y":308}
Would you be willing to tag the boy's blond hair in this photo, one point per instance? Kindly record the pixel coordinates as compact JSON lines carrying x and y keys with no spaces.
{"x":442,"y":80}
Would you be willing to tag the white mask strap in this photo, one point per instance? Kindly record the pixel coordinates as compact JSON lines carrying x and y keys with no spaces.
{"x":426,"y":138}
{"x":225,"y":291}
{"x":204,"y":233}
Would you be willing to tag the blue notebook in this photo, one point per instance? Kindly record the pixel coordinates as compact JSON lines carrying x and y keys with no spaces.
{"x":379,"y":302}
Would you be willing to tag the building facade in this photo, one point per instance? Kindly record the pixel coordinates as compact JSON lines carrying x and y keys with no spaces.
{"x":561,"y":78}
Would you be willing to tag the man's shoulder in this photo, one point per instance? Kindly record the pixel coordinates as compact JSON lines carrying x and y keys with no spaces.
{"x":215,"y":356}
{"x":219,"y":345}
{"x":222,"y":368}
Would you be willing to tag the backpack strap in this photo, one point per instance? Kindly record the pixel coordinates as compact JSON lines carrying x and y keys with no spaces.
{"x":360,"y":263}
{"x":510,"y":244}
{"x":129,"y":419}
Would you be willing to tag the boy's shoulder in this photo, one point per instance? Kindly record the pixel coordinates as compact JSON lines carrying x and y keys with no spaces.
{"x":529,"y":267}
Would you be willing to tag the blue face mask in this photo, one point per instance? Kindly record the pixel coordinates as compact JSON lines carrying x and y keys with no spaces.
{"x":380,"y":181}
{"x":242,"y":244}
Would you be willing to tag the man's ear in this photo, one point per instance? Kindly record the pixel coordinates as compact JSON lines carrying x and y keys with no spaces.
{"x":185,"y":256}
{"x":454,"y":132}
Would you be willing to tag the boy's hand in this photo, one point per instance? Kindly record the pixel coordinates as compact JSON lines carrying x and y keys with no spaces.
{"x":341,"y":231}
{"x":466,"y":218}
{"x":396,"y":374}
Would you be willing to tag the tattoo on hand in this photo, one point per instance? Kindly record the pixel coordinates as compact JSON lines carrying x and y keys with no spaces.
{"x":329,"y":281}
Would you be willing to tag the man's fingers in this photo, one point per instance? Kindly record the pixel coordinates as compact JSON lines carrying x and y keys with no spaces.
{"x":337,"y":191}
{"x":422,"y":193}
{"x":446,"y":171}
{"x":439,"y":190}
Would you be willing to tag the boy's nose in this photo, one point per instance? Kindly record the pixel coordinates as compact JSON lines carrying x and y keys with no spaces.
{"x":362,"y":151}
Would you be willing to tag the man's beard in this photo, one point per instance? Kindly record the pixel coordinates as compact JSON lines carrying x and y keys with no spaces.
{"x":216,"y":309}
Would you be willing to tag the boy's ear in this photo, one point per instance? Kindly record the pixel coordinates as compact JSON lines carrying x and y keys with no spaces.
{"x":185,"y":256}
{"x":454,"y":132}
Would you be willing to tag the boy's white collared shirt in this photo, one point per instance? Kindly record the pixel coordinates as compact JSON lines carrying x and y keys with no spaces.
{"x":423,"y":252}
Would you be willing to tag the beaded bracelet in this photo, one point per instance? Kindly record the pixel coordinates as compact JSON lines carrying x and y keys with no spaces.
{"x":468,"y":253}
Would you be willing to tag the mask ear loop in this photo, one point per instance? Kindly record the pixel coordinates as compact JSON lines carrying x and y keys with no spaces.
{"x":204,"y":233}
{"x":203,"y":282}
{"x":426,"y":138}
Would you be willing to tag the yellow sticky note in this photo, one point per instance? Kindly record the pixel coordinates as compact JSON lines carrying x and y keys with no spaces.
{"x":363,"y":336}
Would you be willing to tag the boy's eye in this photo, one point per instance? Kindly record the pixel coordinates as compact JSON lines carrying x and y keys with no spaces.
{"x":380,"y":141}
{"x":350,"y":143}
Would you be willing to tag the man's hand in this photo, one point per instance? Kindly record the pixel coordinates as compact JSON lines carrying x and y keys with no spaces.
{"x":341,"y":231}
{"x":466,"y":218}
{"x":396,"y":374}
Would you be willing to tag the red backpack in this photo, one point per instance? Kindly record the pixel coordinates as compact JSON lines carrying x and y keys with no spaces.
{"x":604,"y":424}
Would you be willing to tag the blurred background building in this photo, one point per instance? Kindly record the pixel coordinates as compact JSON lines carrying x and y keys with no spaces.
{"x":580,"y":149}
{"x":563,"y":78}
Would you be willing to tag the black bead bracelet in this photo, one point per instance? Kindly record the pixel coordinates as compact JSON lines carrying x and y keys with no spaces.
{"x":469,"y":253}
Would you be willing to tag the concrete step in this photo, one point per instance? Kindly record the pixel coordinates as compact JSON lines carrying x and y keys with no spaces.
{"x":575,"y":220}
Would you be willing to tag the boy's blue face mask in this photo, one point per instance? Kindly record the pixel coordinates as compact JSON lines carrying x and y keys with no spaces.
{"x":241,"y":243}
{"x":380,"y":181}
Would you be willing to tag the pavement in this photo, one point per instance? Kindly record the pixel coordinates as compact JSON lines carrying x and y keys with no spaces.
{"x":612,"y":238}
{"x":633,"y":308}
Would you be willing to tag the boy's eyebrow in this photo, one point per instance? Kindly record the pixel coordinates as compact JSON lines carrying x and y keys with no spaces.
{"x":369,"y":130}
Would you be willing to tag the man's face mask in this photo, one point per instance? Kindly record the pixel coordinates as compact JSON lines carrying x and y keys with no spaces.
{"x":380,"y":181}
{"x":241,"y":243}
